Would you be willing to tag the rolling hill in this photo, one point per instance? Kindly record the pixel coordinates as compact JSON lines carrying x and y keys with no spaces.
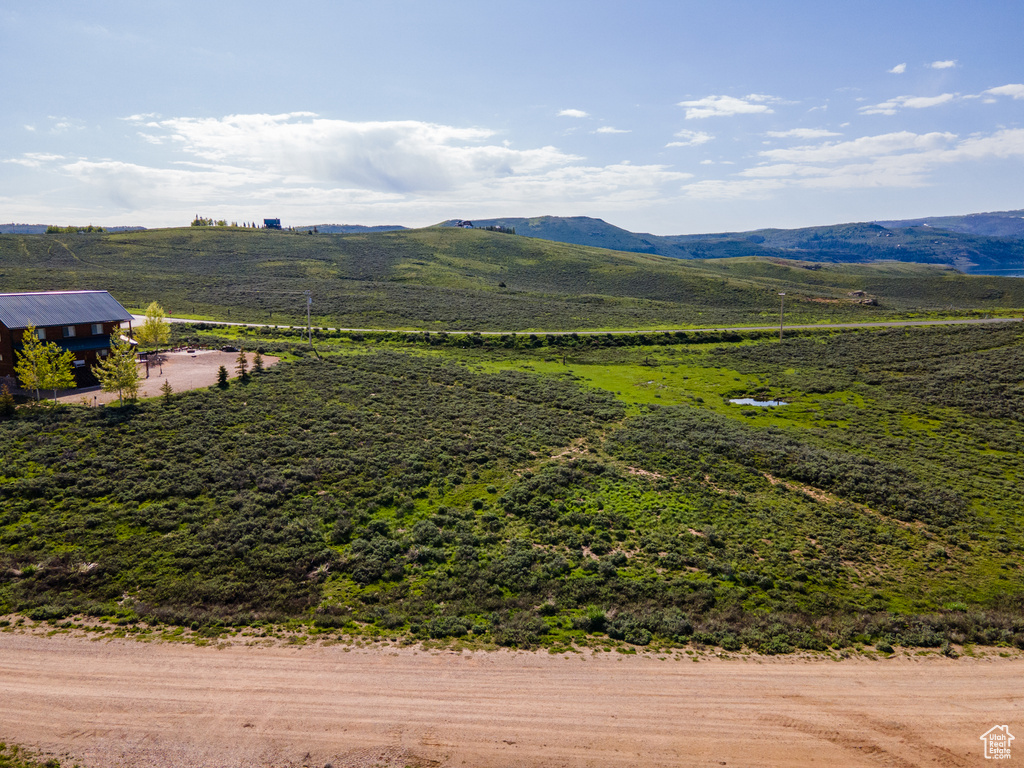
{"x":448,"y":278}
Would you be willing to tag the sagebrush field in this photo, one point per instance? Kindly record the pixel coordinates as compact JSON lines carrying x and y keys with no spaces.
{"x":523,"y":491}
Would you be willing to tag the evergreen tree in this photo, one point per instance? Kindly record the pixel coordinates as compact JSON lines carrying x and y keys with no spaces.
{"x":257,"y":362}
{"x":7,"y":404}
{"x":242,"y":366}
{"x":222,"y":377}
{"x":166,"y":390}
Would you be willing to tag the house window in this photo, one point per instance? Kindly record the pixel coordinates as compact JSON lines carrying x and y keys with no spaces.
{"x":79,"y":363}
{"x":69,"y":331}
{"x":103,"y":352}
{"x":97,"y":329}
{"x":41,"y":334}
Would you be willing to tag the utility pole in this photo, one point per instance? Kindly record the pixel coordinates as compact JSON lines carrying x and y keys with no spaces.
{"x":309,"y":327}
{"x":782,"y":313}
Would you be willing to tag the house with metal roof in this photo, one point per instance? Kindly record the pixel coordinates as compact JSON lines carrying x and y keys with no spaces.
{"x":81,"y":321}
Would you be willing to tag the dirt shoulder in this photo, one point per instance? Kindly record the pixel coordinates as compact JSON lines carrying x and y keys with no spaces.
{"x":112,"y":702}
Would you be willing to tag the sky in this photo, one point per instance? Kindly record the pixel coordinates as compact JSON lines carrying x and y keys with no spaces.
{"x":668,"y":117}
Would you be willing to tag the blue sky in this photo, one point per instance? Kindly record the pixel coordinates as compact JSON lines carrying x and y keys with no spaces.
{"x":665,"y":117}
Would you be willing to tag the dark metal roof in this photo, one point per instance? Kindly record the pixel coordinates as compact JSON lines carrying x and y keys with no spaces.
{"x":19,"y":310}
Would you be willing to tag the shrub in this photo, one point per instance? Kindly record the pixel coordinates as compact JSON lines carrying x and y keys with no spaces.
{"x":521,"y":629}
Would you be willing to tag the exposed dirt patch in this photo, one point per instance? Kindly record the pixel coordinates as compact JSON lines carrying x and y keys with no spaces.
{"x":808,"y":490}
{"x":644,"y":473}
{"x":182,"y":370}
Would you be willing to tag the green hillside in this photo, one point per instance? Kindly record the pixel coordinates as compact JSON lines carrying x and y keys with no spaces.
{"x":447,"y":278}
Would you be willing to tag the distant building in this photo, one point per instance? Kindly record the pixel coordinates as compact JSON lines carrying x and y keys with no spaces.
{"x":271,"y":223}
{"x":80,"y":321}
{"x":464,"y":224}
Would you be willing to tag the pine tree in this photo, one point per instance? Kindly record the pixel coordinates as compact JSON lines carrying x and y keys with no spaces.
{"x":242,"y":366}
{"x":257,"y":362}
{"x":167,"y":391}
{"x":7,"y":404}
{"x":222,"y":377}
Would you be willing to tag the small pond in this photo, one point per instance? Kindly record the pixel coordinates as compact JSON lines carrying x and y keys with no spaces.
{"x":752,"y":401}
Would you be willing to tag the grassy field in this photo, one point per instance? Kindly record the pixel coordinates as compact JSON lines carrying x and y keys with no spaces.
{"x":547,"y":490}
{"x":450,"y":279}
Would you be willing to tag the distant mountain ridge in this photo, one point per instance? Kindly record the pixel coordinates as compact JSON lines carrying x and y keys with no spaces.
{"x":22,"y":229}
{"x":584,"y":230}
{"x":964,"y":243}
{"x":995,"y":224}
{"x":39,"y":229}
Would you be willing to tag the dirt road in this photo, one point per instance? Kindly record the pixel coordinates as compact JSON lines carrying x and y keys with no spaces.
{"x":114,"y":702}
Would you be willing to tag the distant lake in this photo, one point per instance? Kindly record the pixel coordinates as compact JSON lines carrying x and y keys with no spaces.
{"x":1015,"y":272}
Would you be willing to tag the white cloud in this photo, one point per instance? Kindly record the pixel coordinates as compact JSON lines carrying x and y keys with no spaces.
{"x":1015,"y":90}
{"x":34,"y":159}
{"x":690,"y":139}
{"x":802,"y":133}
{"x":1005,"y":144}
{"x":948,"y":64}
{"x":309,"y":167}
{"x":891,"y":106}
{"x":573,"y":113}
{"x":30,"y":128}
{"x":396,"y":156}
{"x":724,"y":106}
{"x":899,"y":69}
{"x":863,"y":147}
{"x":893,"y":160}
{"x":64,"y":124}
{"x":609,"y":129}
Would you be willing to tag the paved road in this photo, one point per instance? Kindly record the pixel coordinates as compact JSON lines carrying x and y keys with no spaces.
{"x":710,"y":329}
